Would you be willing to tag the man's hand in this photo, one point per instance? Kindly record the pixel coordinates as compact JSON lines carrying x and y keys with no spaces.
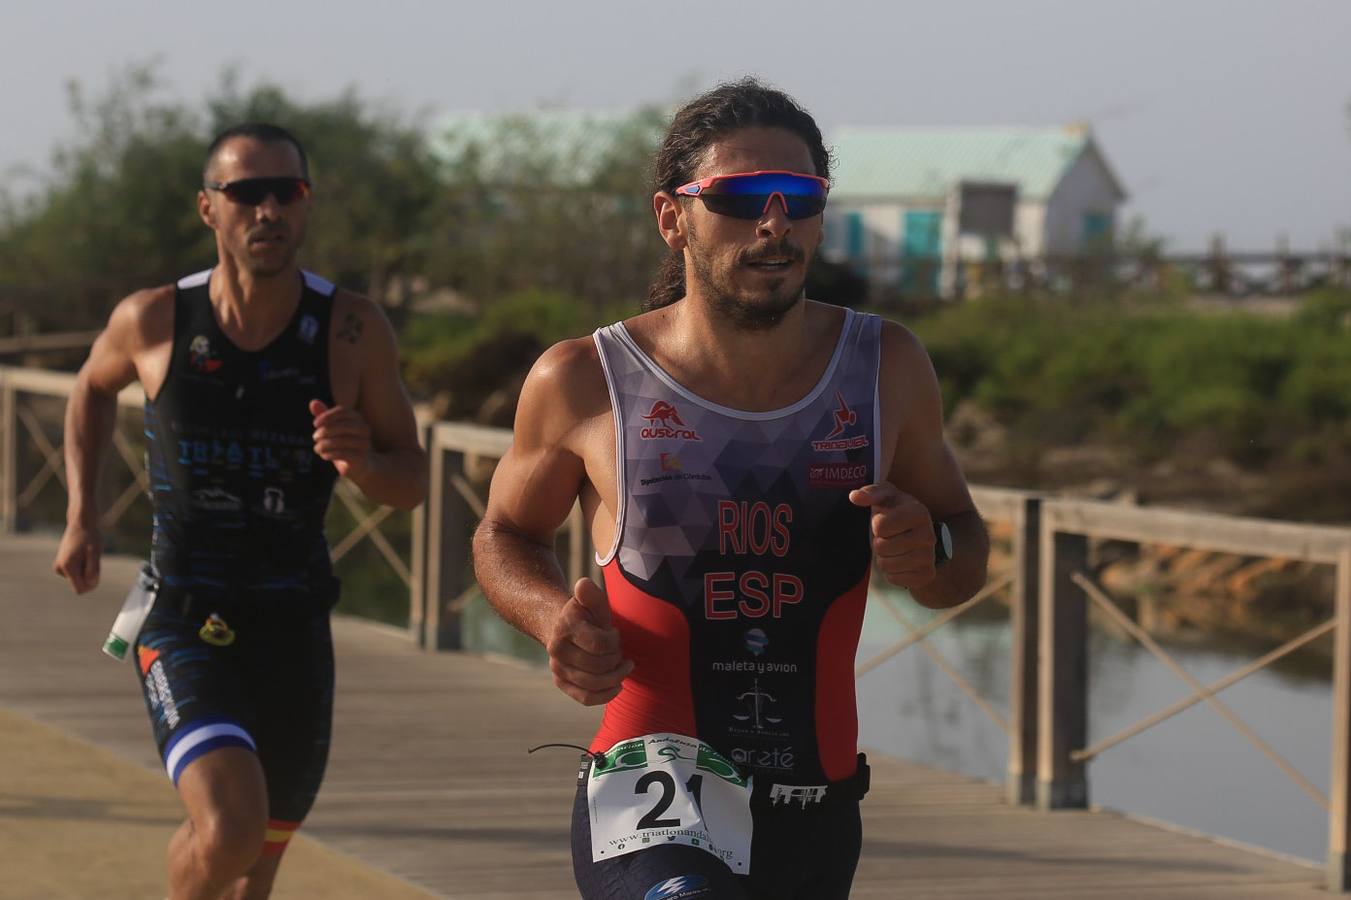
{"x":342,"y":437}
{"x":902,"y":534}
{"x":77,"y":559}
{"x":584,"y":652}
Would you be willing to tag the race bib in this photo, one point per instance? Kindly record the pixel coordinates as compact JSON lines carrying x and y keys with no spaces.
{"x":668,"y":788}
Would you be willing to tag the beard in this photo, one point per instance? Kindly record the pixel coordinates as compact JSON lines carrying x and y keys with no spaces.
{"x":749,"y":313}
{"x":273,"y":259}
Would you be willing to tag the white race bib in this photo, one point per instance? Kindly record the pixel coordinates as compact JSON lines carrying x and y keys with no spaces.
{"x":668,"y":788}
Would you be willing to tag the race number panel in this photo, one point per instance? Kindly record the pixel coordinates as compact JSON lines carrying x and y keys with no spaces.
{"x":667,"y":788}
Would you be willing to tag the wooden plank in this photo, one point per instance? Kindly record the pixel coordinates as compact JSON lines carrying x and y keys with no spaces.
{"x":1020,"y":778}
{"x":1339,"y":811}
{"x":9,"y":454}
{"x":60,"y":384}
{"x":473,"y":439}
{"x":1201,"y":531}
{"x":1062,"y":659}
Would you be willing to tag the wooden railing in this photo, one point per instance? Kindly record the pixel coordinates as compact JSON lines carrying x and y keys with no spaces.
{"x":1048,"y":585}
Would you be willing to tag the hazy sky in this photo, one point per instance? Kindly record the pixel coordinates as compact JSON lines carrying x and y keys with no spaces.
{"x":1218,"y":115}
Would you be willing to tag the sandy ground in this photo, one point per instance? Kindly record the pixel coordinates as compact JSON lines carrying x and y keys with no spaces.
{"x":77,"y":822}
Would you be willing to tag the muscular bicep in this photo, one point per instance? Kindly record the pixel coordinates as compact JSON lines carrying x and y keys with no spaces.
{"x":922,"y":462}
{"x":137,"y":328}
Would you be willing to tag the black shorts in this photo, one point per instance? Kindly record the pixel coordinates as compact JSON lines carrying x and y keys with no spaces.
{"x":798,"y":852}
{"x":256,"y":675}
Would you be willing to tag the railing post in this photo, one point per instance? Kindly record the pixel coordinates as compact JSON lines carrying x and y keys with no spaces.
{"x":9,"y":455}
{"x":1020,"y":781}
{"x":1339,"y":797}
{"x":417,"y":587}
{"x":1062,"y":702}
{"x":450,"y":525}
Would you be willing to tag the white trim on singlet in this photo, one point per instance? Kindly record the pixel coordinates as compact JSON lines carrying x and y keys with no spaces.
{"x":312,"y":281}
{"x":621,"y":485}
{"x":657,"y":371}
{"x":319,"y":284}
{"x":196,"y":279}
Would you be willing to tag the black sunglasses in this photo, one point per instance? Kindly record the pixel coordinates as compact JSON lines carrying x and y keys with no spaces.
{"x":252,"y":191}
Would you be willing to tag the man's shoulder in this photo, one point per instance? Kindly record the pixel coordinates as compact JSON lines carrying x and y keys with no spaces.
{"x":144,"y":317}
{"x":575,"y":362}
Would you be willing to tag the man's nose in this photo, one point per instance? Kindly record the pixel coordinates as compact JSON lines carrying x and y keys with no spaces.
{"x":268,"y":209}
{"x":774,"y":221}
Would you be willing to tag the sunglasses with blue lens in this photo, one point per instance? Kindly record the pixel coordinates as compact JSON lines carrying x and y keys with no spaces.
{"x":747,"y":195}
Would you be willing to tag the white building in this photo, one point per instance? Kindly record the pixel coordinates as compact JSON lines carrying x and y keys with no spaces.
{"x":907,"y":203}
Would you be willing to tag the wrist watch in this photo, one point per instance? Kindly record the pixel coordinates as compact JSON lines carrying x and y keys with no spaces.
{"x":942,"y":542}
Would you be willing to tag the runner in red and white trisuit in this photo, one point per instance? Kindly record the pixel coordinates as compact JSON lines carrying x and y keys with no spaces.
{"x":742,"y":455}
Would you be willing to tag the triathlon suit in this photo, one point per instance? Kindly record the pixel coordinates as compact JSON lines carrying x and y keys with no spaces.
{"x":737,"y":583}
{"x":236,"y":651}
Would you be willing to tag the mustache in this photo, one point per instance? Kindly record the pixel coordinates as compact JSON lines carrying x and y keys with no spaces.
{"x":267,"y":232}
{"x":776,"y":250}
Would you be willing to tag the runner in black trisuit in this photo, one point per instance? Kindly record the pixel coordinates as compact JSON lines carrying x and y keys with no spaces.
{"x":264,"y":384}
{"x":744,"y":456}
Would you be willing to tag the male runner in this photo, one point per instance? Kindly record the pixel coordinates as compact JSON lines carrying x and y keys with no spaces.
{"x":263,"y":384}
{"x":744,"y":456}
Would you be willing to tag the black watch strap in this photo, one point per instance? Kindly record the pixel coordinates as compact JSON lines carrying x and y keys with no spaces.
{"x":942,"y":542}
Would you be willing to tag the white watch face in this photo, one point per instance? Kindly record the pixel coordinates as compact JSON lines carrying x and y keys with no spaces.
{"x":945,"y":536}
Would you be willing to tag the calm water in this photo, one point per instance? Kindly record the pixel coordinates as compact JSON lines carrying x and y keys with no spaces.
{"x":1194,"y":769}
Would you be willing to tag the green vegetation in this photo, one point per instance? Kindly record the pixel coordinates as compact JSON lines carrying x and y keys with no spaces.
{"x":1254,"y":389}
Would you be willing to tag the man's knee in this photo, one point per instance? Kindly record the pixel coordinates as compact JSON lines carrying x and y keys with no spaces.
{"x":228,"y":844}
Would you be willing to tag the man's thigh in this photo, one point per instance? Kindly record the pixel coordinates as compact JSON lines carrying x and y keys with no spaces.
{"x":656,"y":873}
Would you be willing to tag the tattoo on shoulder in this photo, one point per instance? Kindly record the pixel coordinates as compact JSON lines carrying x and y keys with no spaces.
{"x":351,"y":328}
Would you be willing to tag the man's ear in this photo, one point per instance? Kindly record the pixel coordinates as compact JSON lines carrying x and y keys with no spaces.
{"x":204,"y":210}
{"x":671,"y":220}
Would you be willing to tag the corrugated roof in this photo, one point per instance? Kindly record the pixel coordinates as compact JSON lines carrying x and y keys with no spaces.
{"x":928,"y":162}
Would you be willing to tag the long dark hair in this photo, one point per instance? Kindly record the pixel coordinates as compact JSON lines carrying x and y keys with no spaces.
{"x":747,"y":103}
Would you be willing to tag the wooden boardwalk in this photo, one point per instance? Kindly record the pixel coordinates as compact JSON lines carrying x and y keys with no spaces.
{"x":429,"y":779}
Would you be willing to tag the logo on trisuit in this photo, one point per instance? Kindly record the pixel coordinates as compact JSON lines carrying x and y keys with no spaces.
{"x":215,"y":632}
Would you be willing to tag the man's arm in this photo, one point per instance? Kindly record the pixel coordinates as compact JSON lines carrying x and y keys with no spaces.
{"x":924,"y":484}
{"x":374,"y":441}
{"x":91,"y":413}
{"x":533,"y":490}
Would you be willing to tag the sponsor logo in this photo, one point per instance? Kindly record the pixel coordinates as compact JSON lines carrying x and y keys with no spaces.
{"x":832,"y":475}
{"x":758,"y":706}
{"x":677,"y":888}
{"x":672,"y":469}
{"x":757,"y":667}
{"x":274,"y":500}
{"x":664,"y":423}
{"x":215,"y":632}
{"x":756,"y":641}
{"x":146,"y":657}
{"x":216,"y":500}
{"x":765,"y":757}
{"x":628,"y":755}
{"x":267,"y":373}
{"x":157,"y":687}
{"x":801,"y":794}
{"x":309,"y":329}
{"x":200,"y":356}
{"x":845,"y":418}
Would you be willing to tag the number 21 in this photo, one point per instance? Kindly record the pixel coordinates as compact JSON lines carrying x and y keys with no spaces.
{"x":651,"y":819}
